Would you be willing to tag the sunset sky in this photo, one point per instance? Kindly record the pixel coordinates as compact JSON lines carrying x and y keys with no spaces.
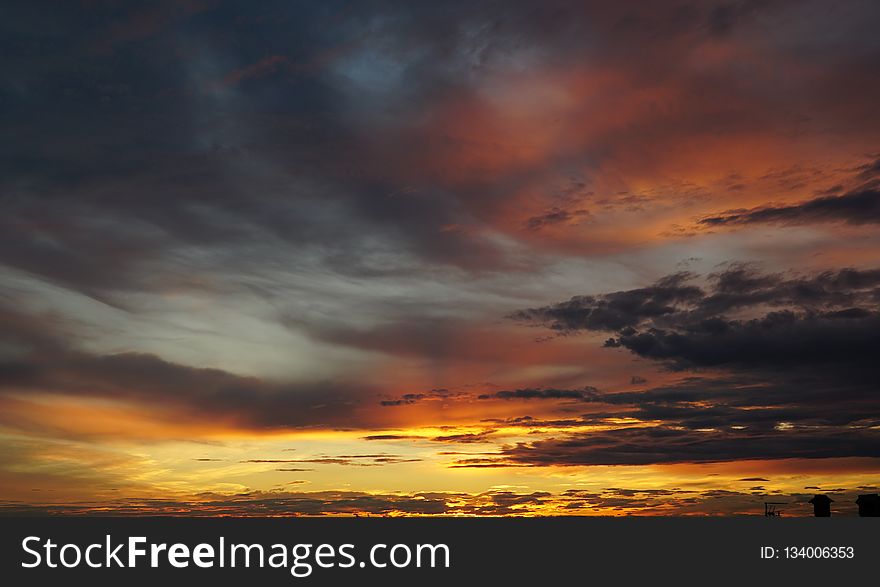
{"x":577,"y":258}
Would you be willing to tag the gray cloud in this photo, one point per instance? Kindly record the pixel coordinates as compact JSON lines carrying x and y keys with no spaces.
{"x":675,"y":299}
{"x":135,"y":134}
{"x":616,"y":310}
{"x":797,"y":381}
{"x":666,"y":444}
{"x":36,"y":356}
{"x":856,"y":207}
{"x":571,"y":394}
{"x":827,"y":318}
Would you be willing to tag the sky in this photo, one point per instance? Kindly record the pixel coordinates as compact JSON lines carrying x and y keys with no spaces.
{"x":419,"y":258}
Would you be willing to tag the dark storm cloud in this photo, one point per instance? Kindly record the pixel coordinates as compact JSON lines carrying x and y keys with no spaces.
{"x":753,"y":403}
{"x":616,"y":310}
{"x":675,"y":302}
{"x":826,"y":319}
{"x":856,"y":207}
{"x":779,"y":340}
{"x":854,"y":201}
{"x":664,"y":444}
{"x":709,"y":419}
{"x":124,"y":152}
{"x":798,"y":380}
{"x":136,"y":130}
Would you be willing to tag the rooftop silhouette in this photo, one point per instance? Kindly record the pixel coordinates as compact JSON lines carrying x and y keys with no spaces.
{"x":869,"y":505}
{"x":821,"y":506}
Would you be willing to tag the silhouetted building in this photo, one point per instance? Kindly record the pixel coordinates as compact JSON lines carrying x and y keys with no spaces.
{"x":821,"y":506}
{"x":869,"y":505}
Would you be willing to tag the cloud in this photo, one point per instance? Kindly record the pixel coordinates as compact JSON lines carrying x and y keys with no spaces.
{"x":557,"y":216}
{"x":584,"y":394}
{"x":258,"y":503}
{"x":724,"y":18}
{"x":616,"y":310}
{"x":318,"y":503}
{"x":675,"y":299}
{"x":854,"y":200}
{"x":826,"y":318}
{"x":392,"y":437}
{"x":379,"y":183}
{"x":856,"y":207}
{"x":414,"y":398}
{"x":608,"y":500}
{"x":795,"y":381}
{"x":267,"y":65}
{"x":378,"y":139}
{"x":777,"y":340}
{"x":359,"y":460}
{"x":467,"y":438}
{"x":36,"y":358}
{"x":532,"y":422}
{"x":666,"y":444}
{"x":194,"y":393}
{"x":483,"y":463}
